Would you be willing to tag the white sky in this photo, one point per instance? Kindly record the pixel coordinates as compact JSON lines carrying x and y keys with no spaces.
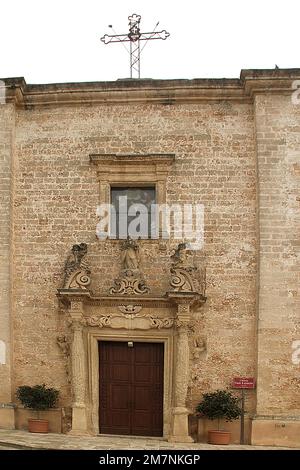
{"x":59,"y":40}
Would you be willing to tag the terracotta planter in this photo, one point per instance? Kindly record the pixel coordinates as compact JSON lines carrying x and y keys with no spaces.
{"x":219,"y":437}
{"x":38,"y":425}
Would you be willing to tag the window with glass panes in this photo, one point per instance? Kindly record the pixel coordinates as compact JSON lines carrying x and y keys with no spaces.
{"x":131,"y":205}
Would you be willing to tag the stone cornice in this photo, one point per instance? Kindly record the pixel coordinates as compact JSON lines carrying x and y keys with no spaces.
{"x":132,"y":164}
{"x":167,"y":92}
{"x":186,"y":298}
{"x":131,"y":159}
{"x":275,"y":81}
{"x":85,"y":296}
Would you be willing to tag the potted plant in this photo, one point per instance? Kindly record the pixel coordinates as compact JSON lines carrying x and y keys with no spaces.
{"x":37,"y":398}
{"x":221,"y":404}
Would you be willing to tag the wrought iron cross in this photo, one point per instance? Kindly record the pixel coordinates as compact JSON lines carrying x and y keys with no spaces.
{"x":134,"y":37}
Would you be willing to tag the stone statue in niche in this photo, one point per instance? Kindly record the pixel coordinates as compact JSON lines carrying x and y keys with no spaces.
{"x":130,"y":256}
{"x":130,"y":280}
{"x":77,"y":273}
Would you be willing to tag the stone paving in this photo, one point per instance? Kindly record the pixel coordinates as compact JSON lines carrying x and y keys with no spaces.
{"x":12,"y":439}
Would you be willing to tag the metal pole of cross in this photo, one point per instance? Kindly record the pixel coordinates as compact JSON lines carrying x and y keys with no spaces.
{"x":134,"y":37}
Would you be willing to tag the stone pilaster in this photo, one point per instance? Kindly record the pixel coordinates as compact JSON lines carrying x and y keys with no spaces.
{"x":277,"y":418}
{"x":78,"y":360}
{"x":7,"y":124}
{"x":179,"y":426}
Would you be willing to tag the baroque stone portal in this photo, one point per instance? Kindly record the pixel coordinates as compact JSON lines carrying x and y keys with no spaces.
{"x":127,"y":314}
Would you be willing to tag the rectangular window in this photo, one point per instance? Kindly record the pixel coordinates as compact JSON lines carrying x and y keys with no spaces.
{"x":131,"y":212}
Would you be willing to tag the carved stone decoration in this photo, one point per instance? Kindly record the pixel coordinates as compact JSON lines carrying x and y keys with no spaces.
{"x":129,"y":284}
{"x":199,"y":347}
{"x":79,"y":378}
{"x":128,"y":321}
{"x":185,"y":277}
{"x":77,"y":273}
{"x":183,"y":309}
{"x":99,"y":321}
{"x":182,"y":280}
{"x":130,"y":255}
{"x":130,"y":309}
{"x":180,"y":412}
{"x":78,"y":365}
{"x":130,"y":280}
{"x":63,"y":344}
{"x":161,"y":322}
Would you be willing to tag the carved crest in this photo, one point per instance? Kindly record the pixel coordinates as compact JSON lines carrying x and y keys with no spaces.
{"x":77,"y":273}
{"x":130,"y":309}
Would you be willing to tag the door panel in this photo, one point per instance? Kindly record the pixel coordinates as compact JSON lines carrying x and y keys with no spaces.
{"x":131,"y":388}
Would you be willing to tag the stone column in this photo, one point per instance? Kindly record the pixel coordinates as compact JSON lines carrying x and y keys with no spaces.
{"x":179,"y":429}
{"x":78,"y":360}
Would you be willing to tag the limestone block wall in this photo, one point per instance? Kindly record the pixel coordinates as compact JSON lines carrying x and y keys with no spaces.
{"x":278,"y":142}
{"x":7,"y":121}
{"x":56,"y":194}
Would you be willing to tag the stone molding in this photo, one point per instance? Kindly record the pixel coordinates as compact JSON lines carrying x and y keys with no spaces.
{"x":136,"y":321}
{"x":78,"y":297}
{"x":148,"y":91}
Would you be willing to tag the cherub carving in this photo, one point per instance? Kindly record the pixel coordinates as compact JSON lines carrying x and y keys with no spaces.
{"x":199,"y":347}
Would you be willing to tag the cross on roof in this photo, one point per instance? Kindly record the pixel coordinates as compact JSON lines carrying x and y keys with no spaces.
{"x":134,"y":37}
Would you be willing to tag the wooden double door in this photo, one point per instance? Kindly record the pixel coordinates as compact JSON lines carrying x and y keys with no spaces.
{"x":131,"y":388}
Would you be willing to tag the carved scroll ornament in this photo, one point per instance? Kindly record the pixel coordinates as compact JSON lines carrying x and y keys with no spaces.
{"x":185,"y":277}
{"x":161,"y":322}
{"x":77,"y":273}
{"x":129,"y":283}
{"x":128,"y":321}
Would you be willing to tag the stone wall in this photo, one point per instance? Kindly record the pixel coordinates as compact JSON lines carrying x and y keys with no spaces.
{"x":278,"y":139}
{"x":56,"y":198}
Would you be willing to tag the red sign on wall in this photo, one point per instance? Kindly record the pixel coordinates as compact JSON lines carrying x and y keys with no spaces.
{"x":243,"y":382}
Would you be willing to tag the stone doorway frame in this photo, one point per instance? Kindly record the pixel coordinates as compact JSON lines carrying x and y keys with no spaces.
{"x":150,"y":319}
{"x":93,"y":337}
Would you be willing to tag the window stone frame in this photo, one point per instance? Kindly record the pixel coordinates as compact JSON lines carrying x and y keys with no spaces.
{"x":125,"y":170}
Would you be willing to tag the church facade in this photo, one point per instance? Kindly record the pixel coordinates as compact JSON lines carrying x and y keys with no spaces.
{"x":132,"y":330}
